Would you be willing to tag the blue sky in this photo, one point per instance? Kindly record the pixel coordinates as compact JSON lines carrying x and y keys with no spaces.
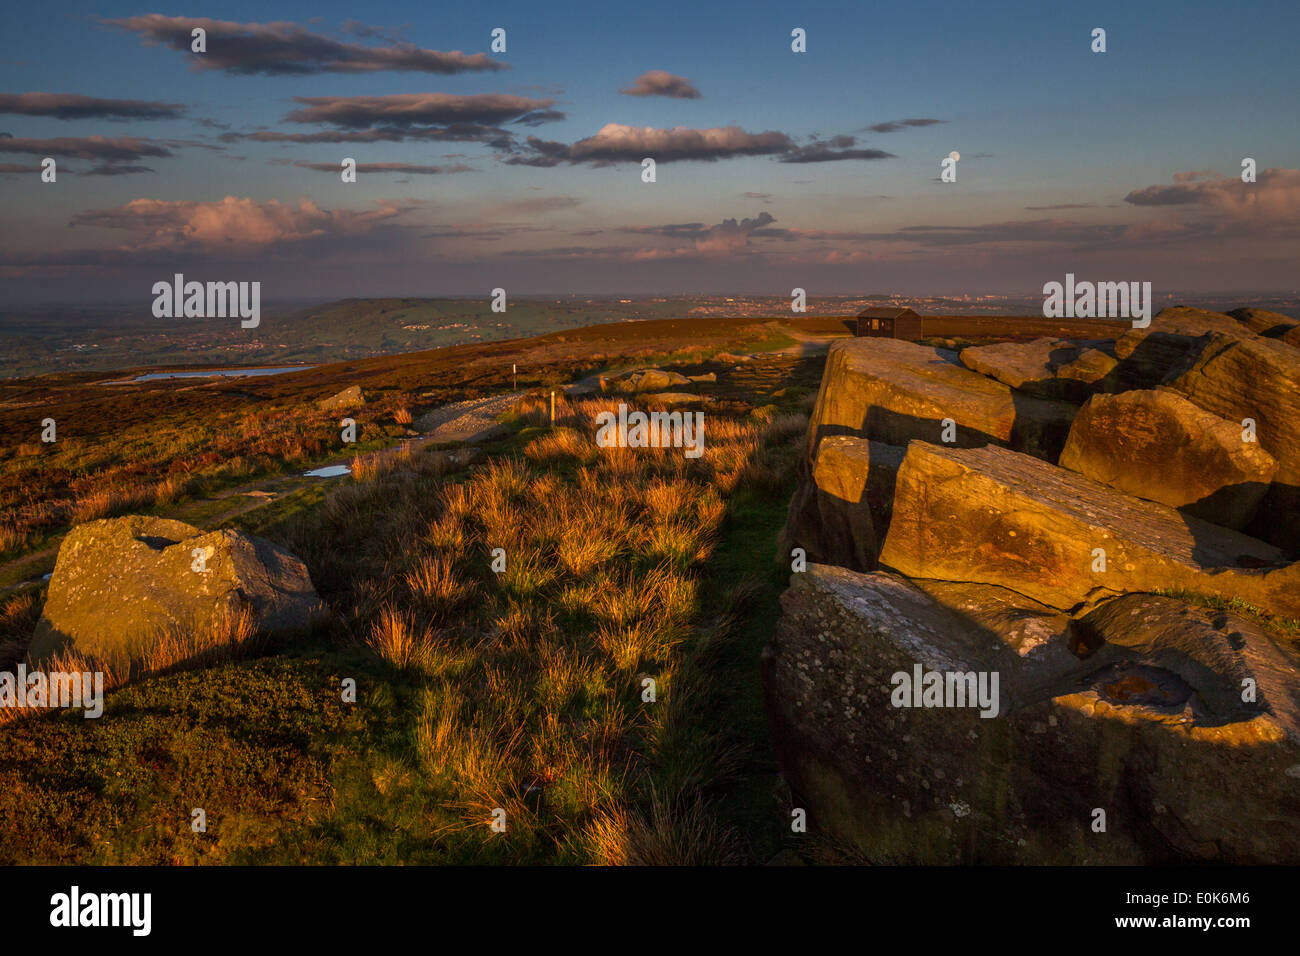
{"x":1123,"y":165}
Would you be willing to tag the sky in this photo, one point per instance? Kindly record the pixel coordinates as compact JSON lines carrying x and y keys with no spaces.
{"x":522,"y":169}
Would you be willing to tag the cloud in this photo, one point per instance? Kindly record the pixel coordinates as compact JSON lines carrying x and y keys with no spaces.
{"x":1064,"y":205}
{"x":1271,"y":205}
{"x":541,"y":153}
{"x":618,"y":143}
{"x":191,"y":144}
{"x":6,"y":168}
{"x":414,"y":109}
{"x":121,"y":148}
{"x":893,"y":126}
{"x":1037,"y":230}
{"x":289,"y":49}
{"x":835,"y":149}
{"x":662,"y":83}
{"x":538,"y":117}
{"x":366,"y":31}
{"x":459,"y":132}
{"x":391,"y":168}
{"x":541,"y":204}
{"x":71,"y":106}
{"x":233,"y":222}
{"x":725,"y":238}
{"x":1275,"y":195}
{"x":106,"y":169}
{"x":421,"y":117}
{"x":757,"y":195}
{"x":481,"y":232}
{"x":1040,"y":230}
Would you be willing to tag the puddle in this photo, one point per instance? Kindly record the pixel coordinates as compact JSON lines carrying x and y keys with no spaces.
{"x":329,"y":471}
{"x":216,"y":372}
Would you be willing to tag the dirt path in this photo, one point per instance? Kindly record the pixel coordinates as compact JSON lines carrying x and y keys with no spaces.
{"x":805,"y":344}
{"x":469,"y":421}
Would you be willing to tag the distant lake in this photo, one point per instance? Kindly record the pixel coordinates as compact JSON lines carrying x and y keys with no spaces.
{"x":214,"y":372}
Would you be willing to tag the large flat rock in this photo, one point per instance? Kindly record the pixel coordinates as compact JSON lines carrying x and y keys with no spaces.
{"x":1264,"y":322}
{"x":1035,"y":367}
{"x":1172,"y":340}
{"x":893,"y":391}
{"x":1157,"y":445}
{"x":1145,"y":727}
{"x":991,"y":516}
{"x":1257,"y":378}
{"x":121,"y":584}
{"x":643,"y":380}
{"x":840,"y":511}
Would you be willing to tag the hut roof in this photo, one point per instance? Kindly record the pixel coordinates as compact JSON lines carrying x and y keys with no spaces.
{"x":884,"y":312}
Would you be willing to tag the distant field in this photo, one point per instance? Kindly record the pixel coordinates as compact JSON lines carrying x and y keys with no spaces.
{"x":37,"y":341}
{"x":78,"y":339}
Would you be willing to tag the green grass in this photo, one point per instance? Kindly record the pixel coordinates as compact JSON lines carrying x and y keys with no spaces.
{"x":251,"y":743}
{"x":752,"y":803}
{"x":1281,"y":627}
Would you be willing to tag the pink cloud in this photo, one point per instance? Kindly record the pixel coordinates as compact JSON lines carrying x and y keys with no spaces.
{"x":234,"y":221}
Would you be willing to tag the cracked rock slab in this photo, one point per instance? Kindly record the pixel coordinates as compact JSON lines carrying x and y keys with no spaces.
{"x":991,"y":516}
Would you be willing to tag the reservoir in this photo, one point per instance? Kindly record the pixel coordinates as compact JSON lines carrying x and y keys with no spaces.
{"x":215,"y":372}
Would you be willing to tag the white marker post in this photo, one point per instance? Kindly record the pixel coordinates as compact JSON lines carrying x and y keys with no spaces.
{"x":552,"y":409}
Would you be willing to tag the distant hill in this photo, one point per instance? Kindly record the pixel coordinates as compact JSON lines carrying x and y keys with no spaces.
{"x":34,"y":341}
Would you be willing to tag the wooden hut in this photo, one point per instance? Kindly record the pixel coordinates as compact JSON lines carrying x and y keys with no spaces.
{"x":889,"y":322}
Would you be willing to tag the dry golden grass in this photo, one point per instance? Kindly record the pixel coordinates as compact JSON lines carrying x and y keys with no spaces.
{"x":404,"y":417}
{"x":440,"y":590}
{"x":530,"y":679}
{"x":232,"y":633}
{"x":171,"y":489}
{"x":18,"y":616}
{"x":47,"y":487}
{"x":680,"y":832}
{"x":535,"y":408}
{"x":107,"y":502}
{"x":558,"y":444}
{"x":12,"y":537}
{"x":597,"y":587}
{"x":786,"y":426}
{"x":396,"y":638}
{"x":372,"y":466}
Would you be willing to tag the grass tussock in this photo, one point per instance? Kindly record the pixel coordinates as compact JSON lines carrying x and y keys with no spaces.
{"x":232,"y":634}
{"x":532,"y":600}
